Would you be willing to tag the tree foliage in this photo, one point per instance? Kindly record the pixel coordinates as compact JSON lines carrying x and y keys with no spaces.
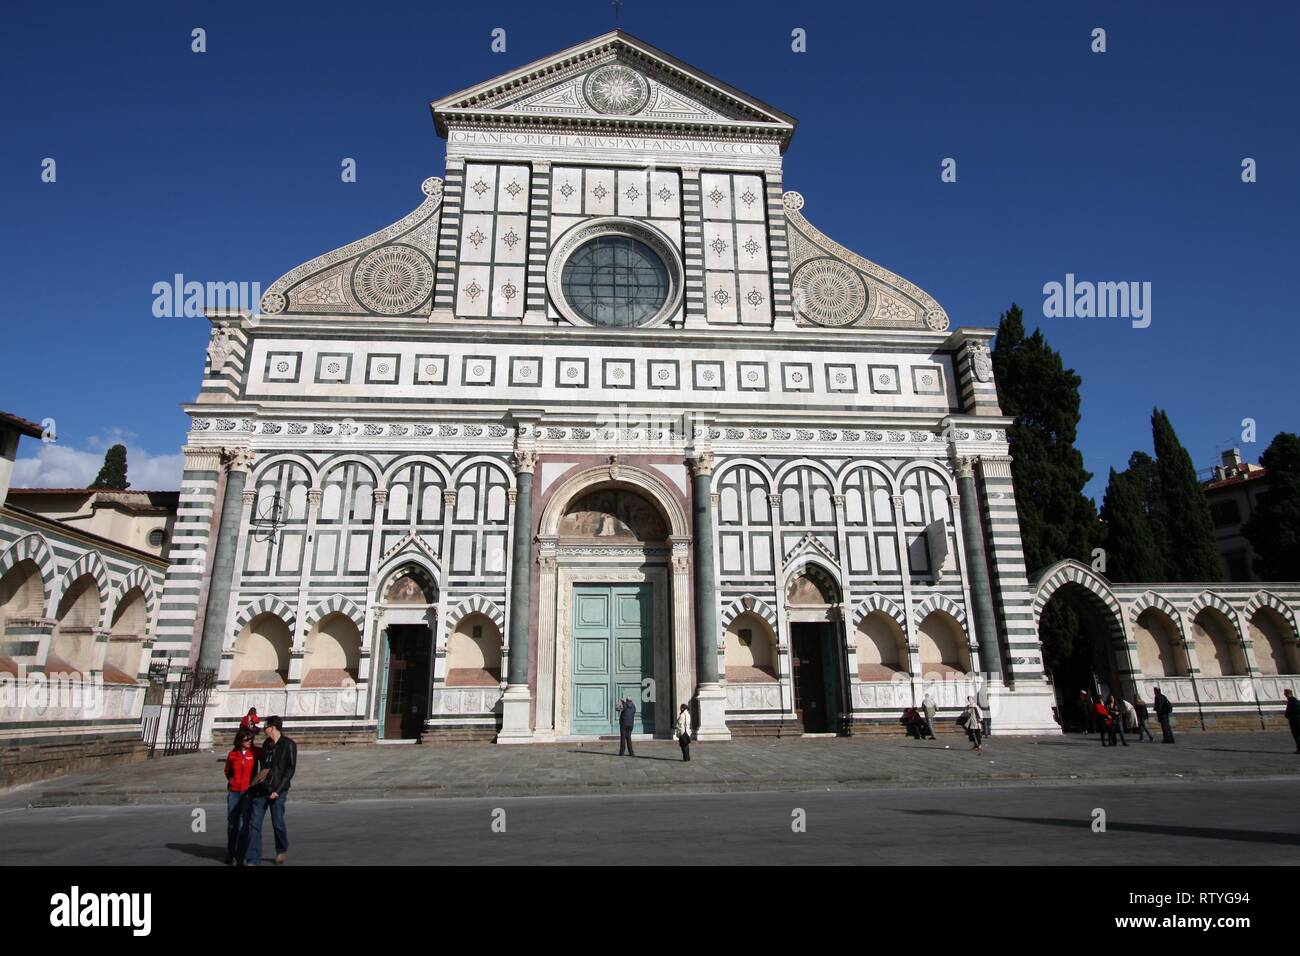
{"x":113,"y":473}
{"x":1274,"y":529}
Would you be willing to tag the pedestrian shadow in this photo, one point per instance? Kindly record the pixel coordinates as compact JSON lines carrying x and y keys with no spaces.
{"x":1159,"y":829}
{"x":1230,"y":750}
{"x":606,"y":753}
{"x":201,"y":850}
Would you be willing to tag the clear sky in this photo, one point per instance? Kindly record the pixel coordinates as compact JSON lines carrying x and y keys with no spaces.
{"x":225,"y":166}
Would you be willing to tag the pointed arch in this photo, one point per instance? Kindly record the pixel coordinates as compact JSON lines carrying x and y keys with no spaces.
{"x":35,"y":548}
{"x":878,"y":602}
{"x":336,"y":604}
{"x":1071,"y":571}
{"x":138,"y":578}
{"x":940,"y":602}
{"x":751,"y":605}
{"x":1209,"y":598}
{"x":475,"y":605}
{"x":90,"y":563}
{"x":267,"y":604}
{"x":1268,"y":599}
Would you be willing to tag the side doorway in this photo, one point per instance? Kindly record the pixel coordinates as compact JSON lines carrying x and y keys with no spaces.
{"x":405,"y":704}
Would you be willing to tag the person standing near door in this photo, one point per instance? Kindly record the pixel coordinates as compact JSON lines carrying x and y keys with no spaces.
{"x":683,"y":731}
{"x":929,"y":709}
{"x":626,"y":721}
{"x":1163,"y":710}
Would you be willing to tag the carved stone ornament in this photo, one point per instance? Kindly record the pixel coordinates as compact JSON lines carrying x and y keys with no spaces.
{"x":219,"y":347}
{"x":702,"y":464}
{"x":981,"y":362}
{"x":525,"y":461}
{"x":239,"y":459}
{"x":613,"y":467}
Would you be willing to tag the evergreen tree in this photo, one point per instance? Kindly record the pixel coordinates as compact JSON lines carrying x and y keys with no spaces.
{"x":1131,"y":550}
{"x":1146,"y":479}
{"x":113,"y":473}
{"x":1056,"y":520}
{"x":1192,"y":553}
{"x":1274,"y":529}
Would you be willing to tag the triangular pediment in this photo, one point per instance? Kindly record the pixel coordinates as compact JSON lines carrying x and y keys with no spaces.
{"x":614,"y":78}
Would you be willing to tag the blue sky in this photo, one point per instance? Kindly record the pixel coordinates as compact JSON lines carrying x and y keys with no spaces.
{"x":224,"y":166}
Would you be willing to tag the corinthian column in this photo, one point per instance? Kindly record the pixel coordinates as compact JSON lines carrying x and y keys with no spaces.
{"x":981,"y":591}
{"x":710,"y":695}
{"x":216,"y":616}
{"x":516,"y":725}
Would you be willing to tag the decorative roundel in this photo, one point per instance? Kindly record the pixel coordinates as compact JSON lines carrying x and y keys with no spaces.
{"x":393,"y":279}
{"x":616,"y":89}
{"x":829,"y":293}
{"x":272,"y":303}
{"x":793,"y":201}
{"x":431,"y":186}
{"x":936,"y":320}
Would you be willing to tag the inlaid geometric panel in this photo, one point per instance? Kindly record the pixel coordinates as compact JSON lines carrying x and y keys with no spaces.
{"x":752,"y":376}
{"x":282,"y":366}
{"x":618,"y":373}
{"x":841,"y":378}
{"x":927,"y":380}
{"x":796,"y":377}
{"x":431,"y":370}
{"x":884,"y":379}
{"x":382,"y":369}
{"x":663,"y":374}
{"x":708,"y":375}
{"x":571,"y":372}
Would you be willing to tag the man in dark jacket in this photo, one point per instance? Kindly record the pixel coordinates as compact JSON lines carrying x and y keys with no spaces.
{"x":626,"y":720}
{"x":1293,"y":716}
{"x":1163,"y":710}
{"x":275,"y":768}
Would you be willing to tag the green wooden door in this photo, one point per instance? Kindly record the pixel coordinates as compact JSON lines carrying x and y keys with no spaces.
{"x":613,"y":652}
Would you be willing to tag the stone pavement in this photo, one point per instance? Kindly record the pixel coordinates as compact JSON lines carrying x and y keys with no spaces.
{"x":386,"y":772}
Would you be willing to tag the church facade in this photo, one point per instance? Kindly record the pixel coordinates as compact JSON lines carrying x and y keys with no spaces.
{"x":605,"y":415}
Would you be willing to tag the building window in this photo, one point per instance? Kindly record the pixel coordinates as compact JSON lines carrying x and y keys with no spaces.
{"x":616,"y":281}
{"x":156,"y":538}
{"x":1225,"y":514}
{"x":615,"y":273}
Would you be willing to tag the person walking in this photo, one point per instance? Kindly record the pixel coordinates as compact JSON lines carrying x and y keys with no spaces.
{"x":1101,"y":718}
{"x":1140,"y":713}
{"x":1293,"y":716}
{"x":683,"y":731}
{"x":1115,"y":711}
{"x":1163,"y":709}
{"x":276,"y":764}
{"x":241,"y":763}
{"x":972,"y":718}
{"x":929,"y":709}
{"x":626,"y":709}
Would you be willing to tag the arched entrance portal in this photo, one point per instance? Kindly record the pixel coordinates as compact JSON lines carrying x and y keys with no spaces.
{"x":813,"y":602}
{"x":1081,"y":632}
{"x":614,"y":612}
{"x":409,"y":598}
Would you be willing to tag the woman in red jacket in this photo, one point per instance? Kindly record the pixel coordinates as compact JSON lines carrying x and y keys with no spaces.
{"x":1103,"y":719}
{"x":241,"y":764}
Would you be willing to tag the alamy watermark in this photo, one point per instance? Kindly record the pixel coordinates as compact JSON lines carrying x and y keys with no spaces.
{"x":1084,"y":299}
{"x":192,"y":299}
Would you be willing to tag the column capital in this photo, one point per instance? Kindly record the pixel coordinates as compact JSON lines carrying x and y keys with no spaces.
{"x":449,"y":497}
{"x":249,"y":496}
{"x":525,"y":460}
{"x":774,"y":499}
{"x":380,"y":496}
{"x":239,"y":458}
{"x":314,"y":496}
{"x":897,"y":500}
{"x":838,"y":501}
{"x":512,"y":495}
{"x":199,"y":458}
{"x":966,"y":466}
{"x":701,"y":463}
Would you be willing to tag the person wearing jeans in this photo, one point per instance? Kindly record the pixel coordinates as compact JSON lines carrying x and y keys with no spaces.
{"x":275,"y":768}
{"x":241,"y":763}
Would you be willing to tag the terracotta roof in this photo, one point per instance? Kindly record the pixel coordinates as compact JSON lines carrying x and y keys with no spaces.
{"x":22,"y":425}
{"x":1235,"y":479}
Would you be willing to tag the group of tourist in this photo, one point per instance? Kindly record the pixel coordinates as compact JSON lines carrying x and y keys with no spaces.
{"x":1109,"y":719}
{"x":257,"y":779}
{"x":974,"y":720}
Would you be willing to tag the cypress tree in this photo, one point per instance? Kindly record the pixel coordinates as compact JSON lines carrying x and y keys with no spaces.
{"x":1274,"y":529}
{"x":1056,"y":519}
{"x":1131,"y":550}
{"x":113,"y":473}
{"x":1193,"y":554}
